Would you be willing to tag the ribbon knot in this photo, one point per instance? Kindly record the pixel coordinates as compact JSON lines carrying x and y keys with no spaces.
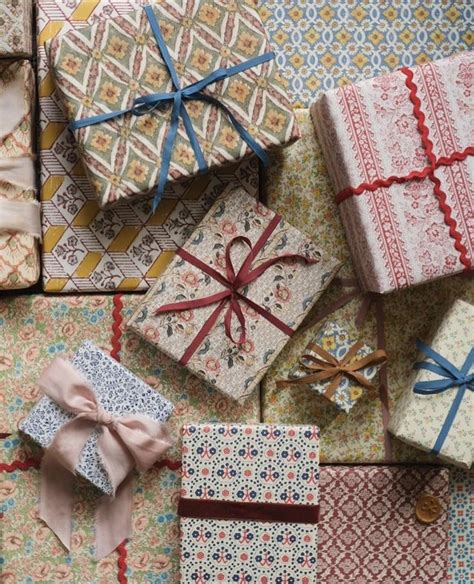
{"x":449,"y":377}
{"x":232,"y":295}
{"x":147,"y":103}
{"x":126,"y":442}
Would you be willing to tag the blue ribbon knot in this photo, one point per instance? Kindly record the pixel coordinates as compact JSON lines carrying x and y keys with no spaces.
{"x":450,"y":376}
{"x":178,"y":97}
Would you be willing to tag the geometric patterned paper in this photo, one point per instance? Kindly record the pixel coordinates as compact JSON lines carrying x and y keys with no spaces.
{"x":85,"y":249}
{"x":461,"y":527}
{"x":16,"y":38}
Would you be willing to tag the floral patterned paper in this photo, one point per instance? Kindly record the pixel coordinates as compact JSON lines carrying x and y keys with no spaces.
{"x":368,"y":531}
{"x":260,"y":463}
{"x":16,"y":36}
{"x":104,"y":67}
{"x":287,"y":290}
{"x":461,"y":512}
{"x":118,"y":392}
{"x":418,"y":419}
{"x":399,"y":235}
{"x":19,"y":256}
{"x":337,"y":342}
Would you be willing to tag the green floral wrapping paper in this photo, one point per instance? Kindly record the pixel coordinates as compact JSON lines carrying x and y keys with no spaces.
{"x":419,"y":419}
{"x":297,"y":186}
{"x":103,"y":68}
{"x":287,"y":291}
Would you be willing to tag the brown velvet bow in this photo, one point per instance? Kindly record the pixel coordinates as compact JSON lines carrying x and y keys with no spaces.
{"x":329,"y":367}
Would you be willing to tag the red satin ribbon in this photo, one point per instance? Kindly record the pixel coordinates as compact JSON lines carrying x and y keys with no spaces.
{"x":231,"y":295}
{"x":238,"y":510}
{"x":427,"y":172}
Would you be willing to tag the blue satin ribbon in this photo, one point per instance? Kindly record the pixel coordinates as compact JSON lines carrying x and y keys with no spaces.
{"x":147,"y":103}
{"x":450,"y":376}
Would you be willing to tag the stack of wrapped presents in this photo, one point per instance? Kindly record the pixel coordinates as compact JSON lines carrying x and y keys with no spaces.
{"x":236,"y":307}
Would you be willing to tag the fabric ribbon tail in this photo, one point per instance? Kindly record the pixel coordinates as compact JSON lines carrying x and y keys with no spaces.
{"x":57,"y":498}
{"x":113,"y":520}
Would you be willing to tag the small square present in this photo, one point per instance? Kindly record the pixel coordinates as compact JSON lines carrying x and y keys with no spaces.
{"x":20,"y":226}
{"x":16,"y":35}
{"x":170,"y":90}
{"x":399,"y":151}
{"x":436,"y":413}
{"x":383,"y":524}
{"x":238,"y":289}
{"x":337,"y":366}
{"x":249,"y":503}
{"x":118,"y":392}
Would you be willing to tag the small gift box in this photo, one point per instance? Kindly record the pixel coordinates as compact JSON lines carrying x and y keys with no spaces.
{"x":249,"y":503}
{"x":337,"y":366}
{"x":435,"y":414}
{"x":398,"y":149}
{"x":20,"y":226}
{"x":383,"y":524}
{"x":16,"y":35}
{"x":168,"y":91}
{"x":119,"y":393}
{"x":234,"y":294}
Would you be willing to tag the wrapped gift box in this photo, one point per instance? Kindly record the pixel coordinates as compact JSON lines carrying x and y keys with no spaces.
{"x":118,"y":392}
{"x":202,"y":336}
{"x":35,"y":328}
{"x":16,"y":36}
{"x":86,"y":249}
{"x":336,"y":341}
{"x":420,"y":419}
{"x":369,"y":529}
{"x":267,"y":465}
{"x":104,"y":68}
{"x":19,"y":211}
{"x":379,"y":138}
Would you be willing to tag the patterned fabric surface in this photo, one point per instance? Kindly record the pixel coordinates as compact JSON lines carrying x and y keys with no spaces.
{"x":461,"y":529}
{"x":297,"y":186}
{"x":257,"y":464}
{"x":19,"y":256}
{"x":84,"y":248}
{"x":105,"y":67}
{"x":41,"y":327}
{"x":286,"y":291}
{"x":402,"y":235}
{"x":16,"y":38}
{"x":325,"y":43}
{"x":368,"y":531}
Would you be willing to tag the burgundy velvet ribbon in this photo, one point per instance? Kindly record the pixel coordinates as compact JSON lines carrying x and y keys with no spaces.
{"x":247,"y":511}
{"x":231,"y":295}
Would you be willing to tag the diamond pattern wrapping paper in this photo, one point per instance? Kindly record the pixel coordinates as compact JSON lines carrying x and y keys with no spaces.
{"x":368,"y":530}
{"x":337,"y":342}
{"x":297,"y":186}
{"x":412,"y":123}
{"x":105,"y":67}
{"x":419,"y":419}
{"x":16,"y":38}
{"x":249,"y":464}
{"x":232,"y":363}
{"x":118,"y":392}
{"x":86,"y":249}
{"x":19,"y":256}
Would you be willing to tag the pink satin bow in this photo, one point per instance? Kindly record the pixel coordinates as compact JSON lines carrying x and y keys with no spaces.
{"x":124,"y":443}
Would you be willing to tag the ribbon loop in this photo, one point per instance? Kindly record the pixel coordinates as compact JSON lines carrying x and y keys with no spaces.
{"x":147,"y":103}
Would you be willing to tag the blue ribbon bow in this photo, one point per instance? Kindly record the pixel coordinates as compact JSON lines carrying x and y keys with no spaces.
{"x":450,"y":376}
{"x":147,"y":103}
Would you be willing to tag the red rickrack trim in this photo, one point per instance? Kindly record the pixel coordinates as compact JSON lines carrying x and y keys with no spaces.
{"x":20,"y":465}
{"x":171,"y":464}
{"x":117,"y":327}
{"x":122,"y":562}
{"x":427,"y":172}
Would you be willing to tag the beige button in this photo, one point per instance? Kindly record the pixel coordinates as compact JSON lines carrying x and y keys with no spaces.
{"x":428,"y":508}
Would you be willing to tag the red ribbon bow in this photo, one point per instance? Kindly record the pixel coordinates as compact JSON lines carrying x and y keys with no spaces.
{"x":232,"y":294}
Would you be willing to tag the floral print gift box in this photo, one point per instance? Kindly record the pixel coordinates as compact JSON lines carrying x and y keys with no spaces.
{"x":234,"y":294}
{"x":240,"y":105}
{"x":249,"y":503}
{"x":399,"y":149}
